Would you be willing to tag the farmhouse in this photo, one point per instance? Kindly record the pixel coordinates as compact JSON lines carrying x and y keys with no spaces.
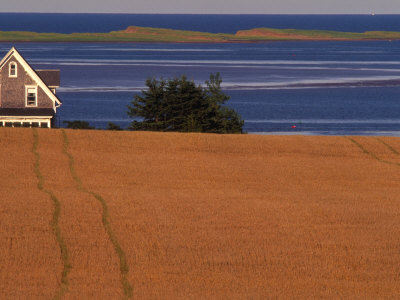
{"x":27,"y":96}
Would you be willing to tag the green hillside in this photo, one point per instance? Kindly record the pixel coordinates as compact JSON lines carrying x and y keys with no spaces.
{"x":147,"y":34}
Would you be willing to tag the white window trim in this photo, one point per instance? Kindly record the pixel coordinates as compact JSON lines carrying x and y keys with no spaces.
{"x":26,"y":95}
{"x":13,"y":63}
{"x":25,"y":120}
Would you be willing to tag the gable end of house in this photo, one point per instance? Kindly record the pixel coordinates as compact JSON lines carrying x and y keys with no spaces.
{"x":26,"y":94}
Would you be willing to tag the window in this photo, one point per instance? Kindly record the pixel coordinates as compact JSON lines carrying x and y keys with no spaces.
{"x":12,"y":69}
{"x":31,"y":96}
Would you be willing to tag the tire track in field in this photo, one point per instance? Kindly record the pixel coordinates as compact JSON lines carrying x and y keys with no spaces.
{"x":373,"y":155}
{"x":124,"y":269}
{"x":63,"y":288}
{"x":388,"y":146}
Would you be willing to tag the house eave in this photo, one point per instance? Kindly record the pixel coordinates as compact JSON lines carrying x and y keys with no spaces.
{"x":25,"y":117}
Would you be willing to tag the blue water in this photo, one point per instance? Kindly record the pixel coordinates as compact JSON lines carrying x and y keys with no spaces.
{"x":328,"y":88}
{"x":68,"y":23}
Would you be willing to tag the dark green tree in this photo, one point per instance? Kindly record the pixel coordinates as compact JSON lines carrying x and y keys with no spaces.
{"x":180,"y":105}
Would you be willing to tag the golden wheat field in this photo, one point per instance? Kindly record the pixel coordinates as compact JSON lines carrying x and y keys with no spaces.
{"x":132,"y":215}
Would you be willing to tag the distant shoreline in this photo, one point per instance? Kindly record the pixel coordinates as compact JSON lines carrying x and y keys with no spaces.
{"x":162,"y":35}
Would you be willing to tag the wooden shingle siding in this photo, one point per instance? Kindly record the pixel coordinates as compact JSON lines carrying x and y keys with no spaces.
{"x":13,"y":89}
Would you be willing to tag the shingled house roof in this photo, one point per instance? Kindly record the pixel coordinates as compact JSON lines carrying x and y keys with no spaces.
{"x":50,"y":77}
{"x":25,"y":112}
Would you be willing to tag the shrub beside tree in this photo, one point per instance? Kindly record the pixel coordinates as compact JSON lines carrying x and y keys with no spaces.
{"x":77,"y":124}
{"x":112,"y":126}
{"x":180,"y":105}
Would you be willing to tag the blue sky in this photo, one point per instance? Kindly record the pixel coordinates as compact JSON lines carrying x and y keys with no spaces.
{"x":206,"y":6}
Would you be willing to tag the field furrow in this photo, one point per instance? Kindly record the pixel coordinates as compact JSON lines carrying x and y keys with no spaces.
{"x":63,"y":285}
{"x":394,"y":143}
{"x":94,"y":272}
{"x":377,"y":149}
{"x":124,"y":269}
{"x":211,"y":217}
{"x":391,"y":148}
{"x":30,"y":258}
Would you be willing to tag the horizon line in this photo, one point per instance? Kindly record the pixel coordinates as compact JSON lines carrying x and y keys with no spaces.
{"x":238,"y":14}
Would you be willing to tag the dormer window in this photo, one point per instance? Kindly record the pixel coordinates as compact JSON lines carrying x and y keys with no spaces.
{"x":12,"y":69}
{"x":31,"y":96}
